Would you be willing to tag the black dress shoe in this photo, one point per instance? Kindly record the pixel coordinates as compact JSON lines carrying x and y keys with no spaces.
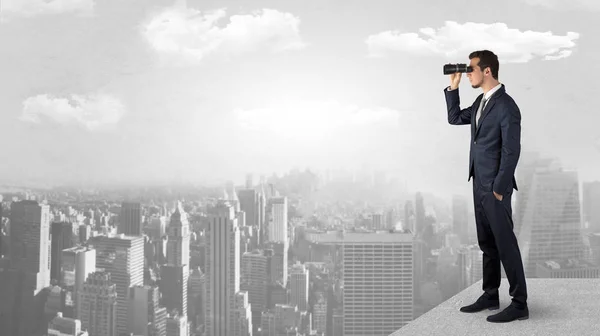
{"x":484,"y":302}
{"x":509,"y":314}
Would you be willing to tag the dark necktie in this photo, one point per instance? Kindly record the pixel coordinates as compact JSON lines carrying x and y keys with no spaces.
{"x":480,"y":110}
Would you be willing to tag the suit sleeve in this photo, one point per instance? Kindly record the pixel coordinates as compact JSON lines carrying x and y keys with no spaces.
{"x":510,"y":126}
{"x":456,"y":116}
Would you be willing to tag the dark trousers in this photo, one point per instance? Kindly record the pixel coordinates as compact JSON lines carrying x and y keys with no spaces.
{"x":498,"y":243}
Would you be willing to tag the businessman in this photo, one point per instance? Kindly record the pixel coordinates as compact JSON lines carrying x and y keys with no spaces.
{"x":495,"y":122}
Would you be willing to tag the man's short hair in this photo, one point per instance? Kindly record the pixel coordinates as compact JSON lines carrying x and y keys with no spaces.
{"x":487,"y":59}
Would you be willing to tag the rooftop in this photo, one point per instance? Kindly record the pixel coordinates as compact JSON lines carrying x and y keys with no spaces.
{"x":556,"y":307}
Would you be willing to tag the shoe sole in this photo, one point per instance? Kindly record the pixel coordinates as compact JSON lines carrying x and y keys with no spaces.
{"x":520,"y":319}
{"x":477,"y":311}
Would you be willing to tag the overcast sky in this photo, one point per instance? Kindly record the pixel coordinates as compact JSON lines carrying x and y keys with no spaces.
{"x":111,"y":90}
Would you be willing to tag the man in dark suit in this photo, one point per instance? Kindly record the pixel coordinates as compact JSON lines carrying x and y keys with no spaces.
{"x":495,"y":122}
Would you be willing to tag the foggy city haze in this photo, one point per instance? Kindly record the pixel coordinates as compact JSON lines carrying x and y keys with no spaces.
{"x":266,"y":168}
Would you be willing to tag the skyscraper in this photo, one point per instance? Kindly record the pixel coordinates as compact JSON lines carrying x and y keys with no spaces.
{"x":222,"y":269}
{"x":62,"y":238}
{"x":175,"y":274}
{"x":278,"y":224}
{"x":98,"y":305}
{"x":130,"y":221}
{"x":123,"y":257}
{"x":21,"y":302}
{"x":249,"y":204}
{"x":551,"y":222}
{"x":378,"y":282}
{"x":178,"y":243}
{"x":299,"y":285}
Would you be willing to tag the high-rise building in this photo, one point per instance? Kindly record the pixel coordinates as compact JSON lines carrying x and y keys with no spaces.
{"x":243,"y":325}
{"x":62,"y":238}
{"x":21,"y":299}
{"x":146,"y":317}
{"x":378,"y":219}
{"x":76,"y":264}
{"x":178,"y":243}
{"x":551,"y":223}
{"x":222,"y":269}
{"x":98,"y":305}
{"x":130,"y":220}
{"x":175,"y":274}
{"x":299,"y":285}
{"x":378,"y":282}
{"x":174,"y":288}
{"x":249,"y":204}
{"x":255,"y":279}
{"x":123,"y":257}
{"x":278,"y":223}
{"x":529,"y":163}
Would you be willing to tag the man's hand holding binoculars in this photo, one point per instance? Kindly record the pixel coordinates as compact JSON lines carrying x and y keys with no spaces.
{"x":455,"y":80}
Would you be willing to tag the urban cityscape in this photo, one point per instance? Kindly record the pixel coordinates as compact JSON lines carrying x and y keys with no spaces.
{"x":333,"y":253}
{"x":289,"y":168}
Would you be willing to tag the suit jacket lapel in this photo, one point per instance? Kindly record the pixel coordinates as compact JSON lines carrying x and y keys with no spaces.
{"x":474,"y":116}
{"x":485,"y":112}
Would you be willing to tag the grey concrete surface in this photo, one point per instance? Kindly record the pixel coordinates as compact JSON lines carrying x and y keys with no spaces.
{"x":565,"y":307}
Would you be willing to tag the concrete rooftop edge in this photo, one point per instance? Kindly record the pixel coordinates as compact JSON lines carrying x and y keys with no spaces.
{"x":556,"y":307}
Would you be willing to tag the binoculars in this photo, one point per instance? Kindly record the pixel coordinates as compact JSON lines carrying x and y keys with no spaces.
{"x":453,"y":68}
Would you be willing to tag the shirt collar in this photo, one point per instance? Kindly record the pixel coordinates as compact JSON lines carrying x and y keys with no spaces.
{"x":491,"y":92}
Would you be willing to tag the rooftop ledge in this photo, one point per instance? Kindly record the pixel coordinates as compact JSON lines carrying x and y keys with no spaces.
{"x":556,"y":307}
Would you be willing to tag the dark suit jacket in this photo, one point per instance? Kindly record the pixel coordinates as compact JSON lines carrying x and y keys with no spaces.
{"x":496,"y":143}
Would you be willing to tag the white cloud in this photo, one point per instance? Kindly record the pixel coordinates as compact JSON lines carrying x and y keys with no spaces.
{"x":192,"y":35}
{"x":566,"y":5}
{"x":455,"y":39}
{"x":31,"y":8}
{"x":93,"y":112}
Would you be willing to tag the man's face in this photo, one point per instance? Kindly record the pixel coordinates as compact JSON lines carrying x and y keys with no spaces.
{"x":476,"y":76}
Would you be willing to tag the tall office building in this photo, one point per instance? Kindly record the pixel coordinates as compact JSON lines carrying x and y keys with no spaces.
{"x":145,"y":315}
{"x":299,"y":284}
{"x":262,"y":213}
{"x":123,"y":257}
{"x":222,"y":269}
{"x":130,"y":220}
{"x":242,"y":315}
{"x":21,"y":297}
{"x":378,"y":282}
{"x":76,"y":264}
{"x":529,"y":163}
{"x":255,"y":279}
{"x":62,"y":238}
{"x":175,"y":274}
{"x":551,"y":223}
{"x":98,"y":305}
{"x":249,"y":204}
{"x":278,"y":224}
{"x":178,"y":243}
